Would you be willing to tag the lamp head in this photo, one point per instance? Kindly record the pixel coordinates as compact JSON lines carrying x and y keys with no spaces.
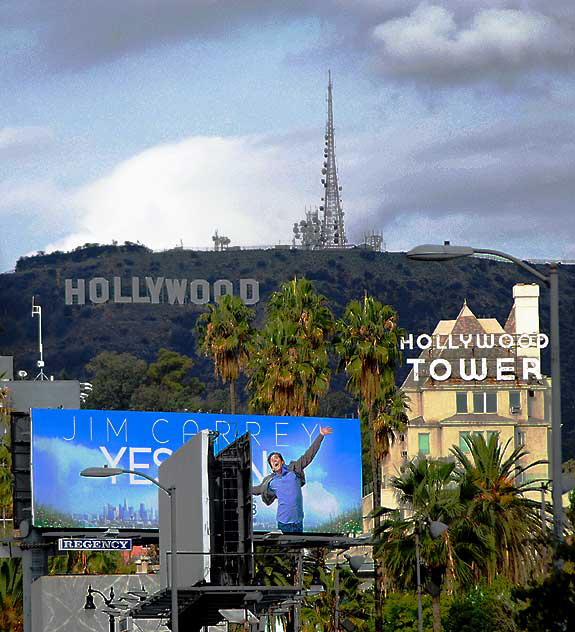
{"x":89,"y":605}
{"x":432,"y":252}
{"x":101,"y":472}
{"x":437,"y":528}
{"x":355,"y":561}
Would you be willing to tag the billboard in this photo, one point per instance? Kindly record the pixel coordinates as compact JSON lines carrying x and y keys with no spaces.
{"x":63,"y":442}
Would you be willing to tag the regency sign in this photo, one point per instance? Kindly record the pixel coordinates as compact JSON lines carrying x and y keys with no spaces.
{"x":94,"y":544}
{"x":156,"y":290}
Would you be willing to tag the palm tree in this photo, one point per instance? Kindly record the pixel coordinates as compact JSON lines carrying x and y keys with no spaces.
{"x":368,"y":347}
{"x":497,"y":506}
{"x":289,"y":370}
{"x":225,"y":334}
{"x":428,"y":491}
{"x":342,"y":593}
{"x":11,"y":594}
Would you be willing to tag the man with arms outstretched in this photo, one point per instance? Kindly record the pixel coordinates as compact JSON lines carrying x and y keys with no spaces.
{"x":285,"y":483}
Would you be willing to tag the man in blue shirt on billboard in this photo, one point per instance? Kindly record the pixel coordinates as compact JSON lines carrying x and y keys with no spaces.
{"x":285,"y":483}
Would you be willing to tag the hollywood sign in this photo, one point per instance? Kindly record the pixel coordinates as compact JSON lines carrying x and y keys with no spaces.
{"x":156,"y":290}
{"x":476,"y":369}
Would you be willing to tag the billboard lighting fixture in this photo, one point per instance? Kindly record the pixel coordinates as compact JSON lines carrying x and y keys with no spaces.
{"x":238,"y":615}
{"x":103,"y":472}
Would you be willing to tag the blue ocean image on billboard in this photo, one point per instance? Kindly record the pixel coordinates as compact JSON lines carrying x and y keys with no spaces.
{"x":64,"y":442}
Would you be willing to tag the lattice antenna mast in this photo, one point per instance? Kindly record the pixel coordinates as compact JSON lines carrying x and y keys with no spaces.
{"x":333,"y":229}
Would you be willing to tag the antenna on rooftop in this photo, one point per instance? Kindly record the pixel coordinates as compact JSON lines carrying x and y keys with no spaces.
{"x":37,"y":311}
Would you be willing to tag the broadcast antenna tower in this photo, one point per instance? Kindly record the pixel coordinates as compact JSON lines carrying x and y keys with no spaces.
{"x":332,"y":228}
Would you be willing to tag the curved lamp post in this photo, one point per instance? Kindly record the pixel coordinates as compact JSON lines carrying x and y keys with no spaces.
{"x":431,"y":252}
{"x":108,"y":601}
{"x":102,"y":472}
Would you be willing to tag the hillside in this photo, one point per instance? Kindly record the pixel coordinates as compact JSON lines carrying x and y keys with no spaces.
{"x":421,"y":292}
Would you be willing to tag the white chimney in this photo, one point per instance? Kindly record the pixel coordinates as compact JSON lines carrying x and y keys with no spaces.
{"x":526,"y":306}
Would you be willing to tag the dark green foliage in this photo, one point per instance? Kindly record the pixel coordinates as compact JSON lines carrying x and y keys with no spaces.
{"x":123,"y":382}
{"x":11,"y":594}
{"x":400,"y":612}
{"x":114,"y":377}
{"x":70,"y":341}
{"x":482,"y":609}
{"x":549,"y":605}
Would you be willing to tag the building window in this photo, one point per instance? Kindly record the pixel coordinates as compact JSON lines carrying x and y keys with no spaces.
{"x":462,"y":443}
{"x":423,"y":442}
{"x":484,"y":402}
{"x":461,"y":402}
{"x":515,"y":401}
{"x":520,"y":439}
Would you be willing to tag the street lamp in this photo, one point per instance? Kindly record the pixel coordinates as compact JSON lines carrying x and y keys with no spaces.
{"x":108,"y":601}
{"x":102,"y":472}
{"x":436,"y":529}
{"x":430,"y":252}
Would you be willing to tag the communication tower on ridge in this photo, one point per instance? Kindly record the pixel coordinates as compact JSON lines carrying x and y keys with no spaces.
{"x":332,"y":228}
{"x":325,"y":229}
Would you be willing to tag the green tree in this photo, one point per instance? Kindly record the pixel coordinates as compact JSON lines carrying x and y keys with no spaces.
{"x":426,"y":489}
{"x":368,"y":347}
{"x":289,"y":369}
{"x":549,"y":605}
{"x":88,"y":563}
{"x":167,"y":384}
{"x":482,"y":609}
{"x":225,"y":334}
{"x":11,"y":593}
{"x":497,"y":509}
{"x":341,"y":592}
{"x":5,"y":460}
{"x":114,"y":377}
{"x":400,"y":612}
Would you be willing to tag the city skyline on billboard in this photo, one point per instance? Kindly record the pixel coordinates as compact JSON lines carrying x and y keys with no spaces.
{"x":66,"y":441}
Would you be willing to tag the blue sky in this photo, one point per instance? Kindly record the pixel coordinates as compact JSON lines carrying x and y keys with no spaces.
{"x":164,"y":121}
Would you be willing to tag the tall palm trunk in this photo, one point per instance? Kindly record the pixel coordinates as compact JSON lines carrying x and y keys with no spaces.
{"x":233,"y":397}
{"x":435,"y":605}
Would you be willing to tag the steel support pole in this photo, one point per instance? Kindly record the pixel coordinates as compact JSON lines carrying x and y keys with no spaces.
{"x":174,"y":545}
{"x":299,"y":583}
{"x":336,"y":613}
{"x":556,"y":404}
{"x":418,"y":573}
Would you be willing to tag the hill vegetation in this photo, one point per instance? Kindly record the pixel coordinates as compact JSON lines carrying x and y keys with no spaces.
{"x":422,"y":294}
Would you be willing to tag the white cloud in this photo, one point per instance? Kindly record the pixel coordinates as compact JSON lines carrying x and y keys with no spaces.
{"x":431,"y":44}
{"x":248,"y":188}
{"x":318,"y":503}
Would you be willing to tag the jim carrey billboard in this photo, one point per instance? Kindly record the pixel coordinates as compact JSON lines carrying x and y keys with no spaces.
{"x":306,"y":471}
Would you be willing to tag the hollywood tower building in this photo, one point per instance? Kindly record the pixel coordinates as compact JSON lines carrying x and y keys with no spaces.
{"x":474,"y":376}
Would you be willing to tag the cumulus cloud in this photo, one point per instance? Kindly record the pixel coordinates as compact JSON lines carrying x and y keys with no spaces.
{"x":403,"y":180}
{"x":57,"y":482}
{"x":319,"y":504}
{"x":247,"y":188}
{"x":438,"y":41}
{"x":430,"y":44}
